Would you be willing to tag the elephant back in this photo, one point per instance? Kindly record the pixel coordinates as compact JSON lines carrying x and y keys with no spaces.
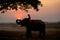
{"x":37,"y":21}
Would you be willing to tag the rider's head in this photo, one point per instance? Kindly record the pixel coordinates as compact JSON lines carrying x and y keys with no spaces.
{"x":29,"y":16}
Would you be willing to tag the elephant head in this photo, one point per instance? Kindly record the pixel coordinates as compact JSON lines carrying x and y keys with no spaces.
{"x":23,"y":22}
{"x":18,"y":21}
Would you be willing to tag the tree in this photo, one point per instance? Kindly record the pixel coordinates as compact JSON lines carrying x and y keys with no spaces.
{"x":19,"y":4}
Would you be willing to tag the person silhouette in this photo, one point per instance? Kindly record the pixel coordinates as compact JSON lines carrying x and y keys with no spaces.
{"x":29,"y":17}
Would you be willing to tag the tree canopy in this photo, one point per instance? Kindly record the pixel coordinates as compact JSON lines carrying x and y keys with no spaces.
{"x":19,"y":4}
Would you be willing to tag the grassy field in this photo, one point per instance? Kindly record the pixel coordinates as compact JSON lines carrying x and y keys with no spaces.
{"x":15,"y":32}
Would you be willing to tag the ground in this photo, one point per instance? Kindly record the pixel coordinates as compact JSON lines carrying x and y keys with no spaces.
{"x":12,"y":31}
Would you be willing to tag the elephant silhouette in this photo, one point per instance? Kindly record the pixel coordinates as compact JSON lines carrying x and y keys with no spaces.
{"x":33,"y":25}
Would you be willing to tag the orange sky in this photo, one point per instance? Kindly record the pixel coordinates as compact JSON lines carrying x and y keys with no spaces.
{"x":50,"y":12}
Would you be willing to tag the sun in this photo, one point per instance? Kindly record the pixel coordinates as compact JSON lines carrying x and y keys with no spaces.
{"x":18,"y":16}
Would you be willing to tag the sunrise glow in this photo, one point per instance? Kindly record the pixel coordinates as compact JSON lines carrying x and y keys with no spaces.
{"x":18,"y":16}
{"x":50,"y":12}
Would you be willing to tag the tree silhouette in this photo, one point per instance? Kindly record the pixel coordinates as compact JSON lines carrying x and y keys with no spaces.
{"x":19,"y":4}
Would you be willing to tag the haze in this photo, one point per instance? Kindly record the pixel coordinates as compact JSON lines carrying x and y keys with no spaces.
{"x":50,"y":12}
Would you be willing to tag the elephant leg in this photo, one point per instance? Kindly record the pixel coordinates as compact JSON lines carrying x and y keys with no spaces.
{"x":28,"y":33}
{"x":43,"y":32}
{"x":42,"y":35}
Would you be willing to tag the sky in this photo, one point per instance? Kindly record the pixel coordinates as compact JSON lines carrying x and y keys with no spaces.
{"x":50,"y":12}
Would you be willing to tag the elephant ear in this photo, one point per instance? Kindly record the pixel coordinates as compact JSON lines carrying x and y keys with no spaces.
{"x":24,"y":22}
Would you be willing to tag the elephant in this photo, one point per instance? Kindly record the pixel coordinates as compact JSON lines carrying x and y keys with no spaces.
{"x":33,"y":25}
